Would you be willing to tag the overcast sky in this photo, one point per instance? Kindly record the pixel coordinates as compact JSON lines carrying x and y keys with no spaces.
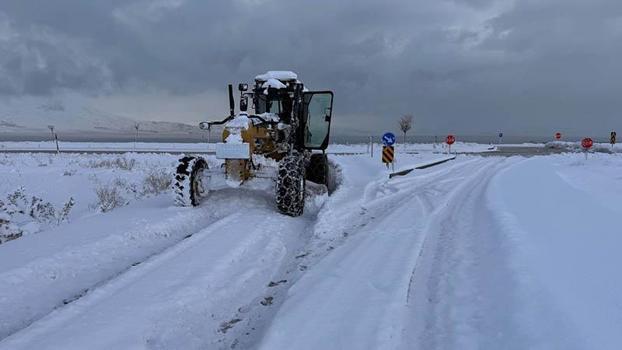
{"x":466,"y":66}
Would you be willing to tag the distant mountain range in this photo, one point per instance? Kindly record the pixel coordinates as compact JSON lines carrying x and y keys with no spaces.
{"x":33,"y":115}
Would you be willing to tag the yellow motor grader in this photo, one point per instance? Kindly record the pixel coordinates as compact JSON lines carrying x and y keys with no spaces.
{"x":288,"y":133}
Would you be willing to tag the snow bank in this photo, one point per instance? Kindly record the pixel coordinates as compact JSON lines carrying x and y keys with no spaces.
{"x":576,"y":147}
{"x":561,"y":213}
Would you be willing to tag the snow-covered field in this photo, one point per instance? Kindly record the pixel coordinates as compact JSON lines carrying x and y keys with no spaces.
{"x":576,"y":146}
{"x":475,"y":253}
{"x":460,"y":147}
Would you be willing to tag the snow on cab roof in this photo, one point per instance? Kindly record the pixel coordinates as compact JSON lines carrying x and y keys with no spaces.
{"x":281,"y":75}
{"x":273,"y":83}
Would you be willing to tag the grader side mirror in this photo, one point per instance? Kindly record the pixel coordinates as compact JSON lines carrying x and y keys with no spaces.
{"x":244,"y":103}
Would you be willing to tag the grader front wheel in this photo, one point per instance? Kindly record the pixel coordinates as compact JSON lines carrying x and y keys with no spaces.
{"x":290,"y":185}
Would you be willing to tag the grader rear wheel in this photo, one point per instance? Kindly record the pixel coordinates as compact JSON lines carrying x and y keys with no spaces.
{"x":317,"y":170}
{"x":188,"y":184}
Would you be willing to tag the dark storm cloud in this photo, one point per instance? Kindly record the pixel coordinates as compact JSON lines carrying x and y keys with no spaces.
{"x":467,"y":65}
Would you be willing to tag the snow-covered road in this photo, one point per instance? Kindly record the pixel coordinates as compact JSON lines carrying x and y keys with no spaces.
{"x":458,"y":256}
{"x":395,"y":277}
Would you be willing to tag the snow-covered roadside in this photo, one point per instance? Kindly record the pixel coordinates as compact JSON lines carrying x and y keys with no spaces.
{"x":560,"y":214}
{"x":56,"y":179}
{"x":460,"y":147}
{"x":106,"y":146}
{"x":441,"y":147}
{"x":571,"y":146}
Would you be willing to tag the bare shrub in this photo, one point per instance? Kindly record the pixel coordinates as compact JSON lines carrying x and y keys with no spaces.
{"x":124,"y":163}
{"x":17,"y":202}
{"x":6,"y":161}
{"x":115,"y":163}
{"x":63,"y":214}
{"x":8,"y":231}
{"x":18,"y":212}
{"x":127,"y":187}
{"x":157,"y":181}
{"x":42,"y":211}
{"x":35,"y":208}
{"x":109,"y":197}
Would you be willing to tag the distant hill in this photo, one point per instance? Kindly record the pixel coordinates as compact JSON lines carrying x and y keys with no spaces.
{"x":33,"y":115}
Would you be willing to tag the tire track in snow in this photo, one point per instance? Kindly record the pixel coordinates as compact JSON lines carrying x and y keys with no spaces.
{"x":358,"y":216}
{"x":185,"y":297}
{"x":355,"y":294}
{"x":461,"y":284}
{"x":52,"y":282}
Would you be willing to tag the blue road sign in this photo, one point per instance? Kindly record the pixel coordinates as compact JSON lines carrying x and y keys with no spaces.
{"x":500,"y":134}
{"x":388,"y":138}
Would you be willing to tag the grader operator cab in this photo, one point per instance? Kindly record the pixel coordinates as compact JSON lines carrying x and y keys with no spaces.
{"x":284,"y":140}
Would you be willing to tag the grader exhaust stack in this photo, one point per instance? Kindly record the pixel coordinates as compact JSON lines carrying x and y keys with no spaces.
{"x":231,"y":102}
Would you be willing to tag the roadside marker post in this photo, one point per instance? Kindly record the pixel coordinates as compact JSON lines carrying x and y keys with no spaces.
{"x":450,"y":139}
{"x":56,"y":140}
{"x":388,"y":155}
{"x":587,"y":143}
{"x":612,"y":139}
{"x":388,"y":151}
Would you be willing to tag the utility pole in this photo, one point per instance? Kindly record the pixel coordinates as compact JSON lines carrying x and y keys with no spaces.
{"x":54,"y":138}
{"x":136,"y":126}
{"x":371,"y":146}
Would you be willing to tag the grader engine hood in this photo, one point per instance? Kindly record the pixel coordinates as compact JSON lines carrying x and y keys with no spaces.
{"x":235,"y":146}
